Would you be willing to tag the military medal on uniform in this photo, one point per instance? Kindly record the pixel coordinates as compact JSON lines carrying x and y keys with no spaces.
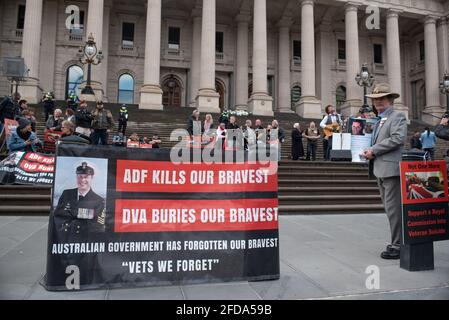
{"x":85,"y":214}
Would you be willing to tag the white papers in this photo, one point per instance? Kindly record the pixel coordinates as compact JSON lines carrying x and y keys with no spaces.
{"x":358,"y":145}
{"x":341,"y":141}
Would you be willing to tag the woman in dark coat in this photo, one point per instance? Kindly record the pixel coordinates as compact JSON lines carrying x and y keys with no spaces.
{"x":297,"y":147}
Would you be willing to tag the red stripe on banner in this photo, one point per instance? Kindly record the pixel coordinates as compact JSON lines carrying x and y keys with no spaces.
{"x":36,"y":157}
{"x":195,"y":215}
{"x":164,"y":176}
{"x":35,"y":167}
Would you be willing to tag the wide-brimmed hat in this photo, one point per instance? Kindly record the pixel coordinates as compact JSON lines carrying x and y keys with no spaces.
{"x":382,"y":90}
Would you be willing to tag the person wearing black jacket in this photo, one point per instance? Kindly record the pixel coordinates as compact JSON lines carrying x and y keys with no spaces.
{"x":9,"y":108}
{"x":83,"y":119}
{"x":49,"y":105}
{"x":123,"y":119}
{"x":232,"y":124}
{"x":415,"y":141}
{"x":442,"y":130}
{"x":192,"y":119}
{"x":297,"y":146}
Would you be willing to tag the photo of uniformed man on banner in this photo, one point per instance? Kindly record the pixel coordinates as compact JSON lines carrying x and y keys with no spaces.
{"x":81,"y":210}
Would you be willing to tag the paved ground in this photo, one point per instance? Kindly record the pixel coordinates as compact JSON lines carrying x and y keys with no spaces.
{"x":322,"y":257}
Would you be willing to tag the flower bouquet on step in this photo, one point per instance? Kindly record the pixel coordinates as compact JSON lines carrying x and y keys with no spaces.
{"x":239,"y":113}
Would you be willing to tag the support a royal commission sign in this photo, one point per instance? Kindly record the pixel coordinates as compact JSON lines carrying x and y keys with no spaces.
{"x":425,"y":208}
{"x":131,"y":217}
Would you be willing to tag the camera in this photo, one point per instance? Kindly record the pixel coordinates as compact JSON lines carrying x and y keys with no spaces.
{"x":365,"y":109}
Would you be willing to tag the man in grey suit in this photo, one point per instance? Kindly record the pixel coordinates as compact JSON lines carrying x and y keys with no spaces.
{"x":388,"y":144}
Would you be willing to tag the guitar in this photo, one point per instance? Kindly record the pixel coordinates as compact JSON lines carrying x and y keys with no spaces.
{"x":330,"y":129}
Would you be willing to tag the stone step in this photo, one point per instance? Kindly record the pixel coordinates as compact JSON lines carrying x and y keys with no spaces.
{"x":330,"y":184}
{"x":325,"y":175}
{"x":323,"y":168}
{"x":331,"y":209}
{"x":334,"y":199}
{"x":328,"y":191}
{"x":20,"y":199}
{"x":24,"y":190}
{"x":321,"y":163}
{"x":25,"y":210}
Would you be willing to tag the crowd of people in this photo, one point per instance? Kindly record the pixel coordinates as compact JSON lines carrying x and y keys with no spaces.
{"x":76,"y":124}
{"x":249,"y":134}
{"x":94,"y":127}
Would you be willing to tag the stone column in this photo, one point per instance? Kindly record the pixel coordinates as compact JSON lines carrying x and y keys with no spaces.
{"x":208,"y":99}
{"x":324,"y":64}
{"x":95,"y":27}
{"x":260,"y":102}
{"x":309,"y":106}
{"x":394,"y":59}
{"x":241,"y":65}
{"x":151,"y":92}
{"x":354,"y":92}
{"x":195,"y":70}
{"x":48,"y":49}
{"x":433,"y":106}
{"x":284,"y":62}
{"x":443,"y":51}
{"x":31,"y":47}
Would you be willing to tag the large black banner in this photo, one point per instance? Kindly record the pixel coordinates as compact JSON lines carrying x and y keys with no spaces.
{"x":131,"y":217}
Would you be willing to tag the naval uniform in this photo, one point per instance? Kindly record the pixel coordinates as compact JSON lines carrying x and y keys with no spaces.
{"x":78,"y":219}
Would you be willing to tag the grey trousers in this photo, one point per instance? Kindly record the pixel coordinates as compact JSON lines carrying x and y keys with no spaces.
{"x":390,"y":191}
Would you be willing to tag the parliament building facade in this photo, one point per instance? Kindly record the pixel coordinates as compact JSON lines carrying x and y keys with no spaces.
{"x":263,"y":56}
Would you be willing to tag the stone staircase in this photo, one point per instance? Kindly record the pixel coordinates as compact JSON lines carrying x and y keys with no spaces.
{"x":305,"y":187}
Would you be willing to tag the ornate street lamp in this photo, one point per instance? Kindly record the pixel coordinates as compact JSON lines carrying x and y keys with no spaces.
{"x":89,"y":55}
{"x":365,"y":79}
{"x":444,"y":88}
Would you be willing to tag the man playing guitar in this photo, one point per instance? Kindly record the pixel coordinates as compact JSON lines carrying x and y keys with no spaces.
{"x":331,"y":124}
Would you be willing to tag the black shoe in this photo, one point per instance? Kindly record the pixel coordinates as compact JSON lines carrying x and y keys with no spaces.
{"x":391,"y":253}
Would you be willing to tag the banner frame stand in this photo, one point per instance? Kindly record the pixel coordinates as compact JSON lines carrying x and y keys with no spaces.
{"x":417,"y":257}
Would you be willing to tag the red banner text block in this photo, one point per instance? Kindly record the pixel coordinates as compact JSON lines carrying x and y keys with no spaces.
{"x":154,"y":176}
{"x":195,"y":215}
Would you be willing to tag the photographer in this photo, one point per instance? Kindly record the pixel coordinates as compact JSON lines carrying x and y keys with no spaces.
{"x":442,"y":130}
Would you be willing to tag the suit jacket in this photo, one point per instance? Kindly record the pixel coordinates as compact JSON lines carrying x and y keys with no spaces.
{"x":78,"y":217}
{"x":388,"y":144}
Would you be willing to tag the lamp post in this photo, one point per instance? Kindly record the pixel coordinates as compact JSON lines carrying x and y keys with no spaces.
{"x":364,"y":79}
{"x":444,"y":88}
{"x":89,"y":55}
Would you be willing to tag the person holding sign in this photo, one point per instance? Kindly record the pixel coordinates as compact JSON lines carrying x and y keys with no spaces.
{"x":81,"y":210}
{"x":386,"y":153}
